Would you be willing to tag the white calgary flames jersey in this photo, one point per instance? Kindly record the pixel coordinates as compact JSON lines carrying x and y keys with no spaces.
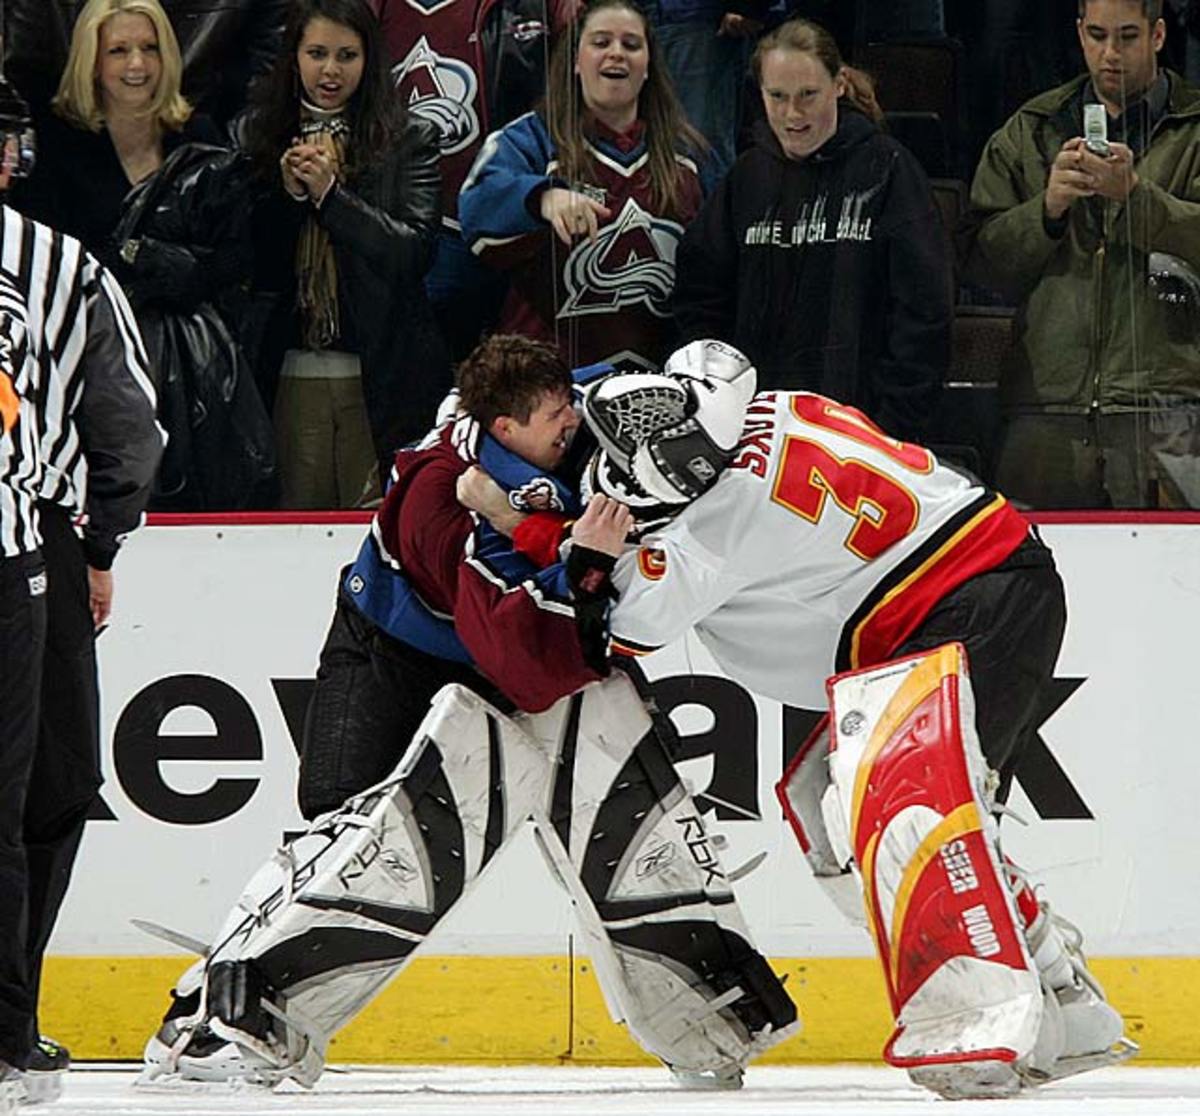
{"x":823,"y":546}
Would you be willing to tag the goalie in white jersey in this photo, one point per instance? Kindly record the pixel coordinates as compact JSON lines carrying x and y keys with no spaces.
{"x":802,"y":544}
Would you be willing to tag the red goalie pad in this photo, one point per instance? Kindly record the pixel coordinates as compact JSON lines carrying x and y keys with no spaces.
{"x":908,"y":781}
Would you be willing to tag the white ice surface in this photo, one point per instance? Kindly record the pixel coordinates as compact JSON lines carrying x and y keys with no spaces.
{"x":569,"y":1091}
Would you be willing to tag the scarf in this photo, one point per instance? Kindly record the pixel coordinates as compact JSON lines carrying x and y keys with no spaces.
{"x":316,"y":267}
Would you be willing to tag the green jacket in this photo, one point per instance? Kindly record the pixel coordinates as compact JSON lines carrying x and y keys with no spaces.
{"x":1089,"y":331}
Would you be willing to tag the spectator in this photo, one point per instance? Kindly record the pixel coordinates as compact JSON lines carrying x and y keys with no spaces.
{"x":117,"y":115}
{"x":584,"y":201}
{"x":344,"y":221}
{"x":821,"y":254}
{"x":120,"y":125}
{"x":468,"y":67}
{"x":1102,"y":399}
{"x":224,"y":46}
{"x":706,"y":46}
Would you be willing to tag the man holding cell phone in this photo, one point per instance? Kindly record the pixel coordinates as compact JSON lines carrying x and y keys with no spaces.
{"x":1085,"y":212}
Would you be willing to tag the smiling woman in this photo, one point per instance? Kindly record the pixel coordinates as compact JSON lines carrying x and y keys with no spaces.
{"x":118,"y":114}
{"x":584,"y":201}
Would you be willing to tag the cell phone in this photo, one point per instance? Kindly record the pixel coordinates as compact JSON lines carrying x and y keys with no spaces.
{"x":1095,"y":130}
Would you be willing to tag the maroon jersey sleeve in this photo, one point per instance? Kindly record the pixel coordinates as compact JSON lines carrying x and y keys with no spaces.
{"x":517,"y":625}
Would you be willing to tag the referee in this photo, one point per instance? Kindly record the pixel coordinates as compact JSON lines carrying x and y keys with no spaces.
{"x":76,"y":466}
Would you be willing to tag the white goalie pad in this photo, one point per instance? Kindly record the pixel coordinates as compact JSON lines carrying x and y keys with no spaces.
{"x":339,"y":911}
{"x":801,"y":792}
{"x":908,"y":805}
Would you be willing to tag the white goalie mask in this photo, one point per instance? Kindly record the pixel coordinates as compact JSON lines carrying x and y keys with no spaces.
{"x":666,"y":436}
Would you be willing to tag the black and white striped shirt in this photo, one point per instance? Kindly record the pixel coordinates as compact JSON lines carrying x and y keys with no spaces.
{"x":19,"y":470}
{"x":91,"y":398}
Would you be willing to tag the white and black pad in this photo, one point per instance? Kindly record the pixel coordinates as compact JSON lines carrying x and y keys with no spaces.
{"x":801,"y":791}
{"x":345,"y":906}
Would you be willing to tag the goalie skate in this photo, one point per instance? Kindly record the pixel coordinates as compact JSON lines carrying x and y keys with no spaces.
{"x":1081,"y":1031}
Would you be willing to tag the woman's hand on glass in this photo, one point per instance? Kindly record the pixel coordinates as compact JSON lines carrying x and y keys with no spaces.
{"x":571,"y":214}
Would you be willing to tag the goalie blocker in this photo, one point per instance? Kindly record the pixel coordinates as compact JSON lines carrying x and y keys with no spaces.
{"x":343,"y":908}
{"x":987,"y":987}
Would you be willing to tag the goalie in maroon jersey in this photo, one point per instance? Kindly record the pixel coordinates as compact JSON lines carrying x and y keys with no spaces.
{"x":804,"y":545}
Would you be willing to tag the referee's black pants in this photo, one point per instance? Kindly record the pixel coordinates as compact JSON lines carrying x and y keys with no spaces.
{"x":66,"y":767}
{"x":1011,"y":620}
{"x":22,"y":642}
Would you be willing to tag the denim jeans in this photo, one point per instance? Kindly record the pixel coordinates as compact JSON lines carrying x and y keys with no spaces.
{"x":708,"y":71}
{"x":466,"y":294}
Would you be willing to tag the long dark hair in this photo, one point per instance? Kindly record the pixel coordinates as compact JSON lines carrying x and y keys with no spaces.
{"x":667,"y":129}
{"x":375,"y":113}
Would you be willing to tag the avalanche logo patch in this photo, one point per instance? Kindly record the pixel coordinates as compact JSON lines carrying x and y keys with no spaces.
{"x":652,"y":563}
{"x":632,"y":263}
{"x":441,"y":90}
{"x":536,"y":495}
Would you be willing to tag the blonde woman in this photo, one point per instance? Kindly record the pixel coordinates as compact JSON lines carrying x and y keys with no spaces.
{"x":117,"y":115}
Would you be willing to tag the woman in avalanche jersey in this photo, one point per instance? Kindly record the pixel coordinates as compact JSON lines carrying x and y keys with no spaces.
{"x":584,"y":201}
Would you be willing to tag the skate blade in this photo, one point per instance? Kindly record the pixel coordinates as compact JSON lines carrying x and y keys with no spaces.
{"x":12,"y":1094}
{"x":43,"y":1086}
{"x":983,"y":1080}
{"x":154,"y":1080}
{"x":708,"y":1080}
{"x":174,"y":937}
{"x":1121,"y":1051}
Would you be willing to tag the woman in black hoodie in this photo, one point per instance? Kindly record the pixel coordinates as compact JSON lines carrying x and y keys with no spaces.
{"x":821,"y":254}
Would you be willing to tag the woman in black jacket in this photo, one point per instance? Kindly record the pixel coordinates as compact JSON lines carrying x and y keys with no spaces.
{"x":821,"y":255}
{"x":344,"y":221}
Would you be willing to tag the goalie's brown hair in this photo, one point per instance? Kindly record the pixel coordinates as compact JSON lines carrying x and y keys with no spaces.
{"x":507,"y":374}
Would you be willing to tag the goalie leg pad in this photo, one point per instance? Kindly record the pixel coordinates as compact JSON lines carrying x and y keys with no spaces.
{"x":338,"y":912}
{"x":909,"y":797}
{"x":666,"y":937}
{"x":801,"y":792}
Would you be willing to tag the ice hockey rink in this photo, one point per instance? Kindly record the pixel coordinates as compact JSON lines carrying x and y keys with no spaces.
{"x":109,"y":1090}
